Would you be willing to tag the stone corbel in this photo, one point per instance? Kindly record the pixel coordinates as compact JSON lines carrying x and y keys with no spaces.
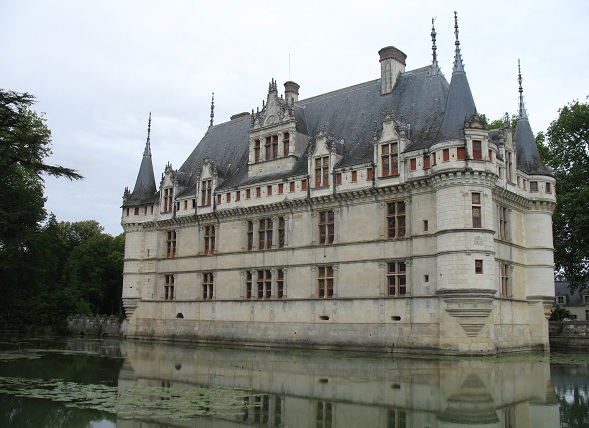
{"x":470,"y":306}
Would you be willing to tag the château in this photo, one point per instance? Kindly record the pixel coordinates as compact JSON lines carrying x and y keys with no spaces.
{"x":381,"y":216}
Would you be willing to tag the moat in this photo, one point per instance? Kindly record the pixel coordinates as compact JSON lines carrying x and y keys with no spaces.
{"x":79,"y":382}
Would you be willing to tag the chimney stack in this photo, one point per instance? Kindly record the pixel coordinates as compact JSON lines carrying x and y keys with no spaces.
{"x":392,"y":63}
{"x":291,"y":92}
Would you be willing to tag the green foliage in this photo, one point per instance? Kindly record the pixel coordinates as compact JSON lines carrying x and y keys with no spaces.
{"x":48,"y":270}
{"x":559,"y":313}
{"x":568,"y":155}
{"x":95,"y":269}
{"x":500,"y":123}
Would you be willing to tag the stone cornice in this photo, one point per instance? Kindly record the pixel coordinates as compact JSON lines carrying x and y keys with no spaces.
{"x":509,"y":198}
{"x":462,"y":178}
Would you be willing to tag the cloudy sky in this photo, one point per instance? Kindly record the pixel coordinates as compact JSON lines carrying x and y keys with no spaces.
{"x":98,"y":68}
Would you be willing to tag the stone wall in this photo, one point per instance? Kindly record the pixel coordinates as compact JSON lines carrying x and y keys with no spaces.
{"x":569,"y":335}
{"x":94,"y":325}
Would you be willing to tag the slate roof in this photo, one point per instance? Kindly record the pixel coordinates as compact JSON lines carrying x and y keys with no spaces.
{"x":351,"y":114}
{"x":460,"y":105}
{"x":422,"y":101}
{"x":528,"y":156}
{"x":562,"y":288}
{"x":145,"y":183}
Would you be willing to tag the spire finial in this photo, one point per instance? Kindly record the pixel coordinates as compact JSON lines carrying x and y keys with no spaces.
{"x":147,"y":151}
{"x":458,"y":67}
{"x":434,"y":48}
{"x":522,"y":109}
{"x":212,"y":109}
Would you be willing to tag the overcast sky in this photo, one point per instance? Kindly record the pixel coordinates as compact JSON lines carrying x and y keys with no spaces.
{"x":98,"y":68}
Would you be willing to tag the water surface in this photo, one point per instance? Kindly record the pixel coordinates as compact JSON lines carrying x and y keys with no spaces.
{"x":77,"y":382}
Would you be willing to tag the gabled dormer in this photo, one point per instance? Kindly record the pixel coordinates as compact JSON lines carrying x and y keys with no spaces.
{"x":208,"y":180}
{"x":324,"y":155}
{"x":274,"y":144}
{"x":477,"y":140}
{"x":168,"y":190}
{"x":501,"y":140}
{"x":389,"y":146}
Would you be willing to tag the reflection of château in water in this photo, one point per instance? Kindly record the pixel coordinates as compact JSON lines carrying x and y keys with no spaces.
{"x":318,"y":389}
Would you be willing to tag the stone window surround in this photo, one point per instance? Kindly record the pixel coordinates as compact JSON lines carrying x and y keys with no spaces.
{"x":276,"y":277}
{"x":252,"y":233}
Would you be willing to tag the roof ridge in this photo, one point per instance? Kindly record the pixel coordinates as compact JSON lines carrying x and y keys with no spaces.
{"x":354,"y":87}
{"x":336,"y":92}
{"x":237,"y":119}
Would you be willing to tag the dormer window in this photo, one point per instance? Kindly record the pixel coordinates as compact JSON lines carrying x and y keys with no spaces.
{"x":285,"y":144}
{"x":477,"y":150}
{"x":168,"y":199}
{"x":268,"y":148}
{"x":205,"y":192}
{"x":509,"y":166}
{"x":257,"y":151}
{"x":390,"y":159}
{"x":322,"y":171}
{"x":275,"y":147}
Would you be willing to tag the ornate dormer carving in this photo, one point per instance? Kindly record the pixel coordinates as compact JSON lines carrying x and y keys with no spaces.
{"x":208,"y":180}
{"x":389,"y":145}
{"x":275,"y":110}
{"x":474,"y":122}
{"x":275,"y":144}
{"x":168,"y":189}
{"x":324,"y":154}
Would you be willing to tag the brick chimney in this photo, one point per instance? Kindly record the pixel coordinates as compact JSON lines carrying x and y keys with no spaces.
{"x":392,"y":63}
{"x":291,"y":91}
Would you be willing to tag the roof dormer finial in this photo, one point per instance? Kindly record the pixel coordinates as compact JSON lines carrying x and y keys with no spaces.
{"x":212,"y":109}
{"x":458,"y":67}
{"x":434,"y":47}
{"x":147,"y":151}
{"x":522,"y":109}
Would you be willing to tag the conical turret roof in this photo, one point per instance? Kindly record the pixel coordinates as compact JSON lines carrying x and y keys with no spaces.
{"x":145,"y":183}
{"x":460,"y":103}
{"x":528,"y":156}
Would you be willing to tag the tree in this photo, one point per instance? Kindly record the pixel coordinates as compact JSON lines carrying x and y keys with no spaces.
{"x":500,"y":123}
{"x":559,"y":313}
{"x":25,"y":143}
{"x":94,"y":271}
{"x":568,"y":155}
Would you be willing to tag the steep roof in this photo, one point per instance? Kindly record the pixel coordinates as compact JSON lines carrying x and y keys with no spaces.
{"x":145,"y":183}
{"x":351,"y":114}
{"x":574,"y":298}
{"x":460,"y":104}
{"x":528,"y":156}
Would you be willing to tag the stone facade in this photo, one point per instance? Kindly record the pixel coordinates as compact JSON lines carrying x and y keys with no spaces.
{"x":379,"y":216}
